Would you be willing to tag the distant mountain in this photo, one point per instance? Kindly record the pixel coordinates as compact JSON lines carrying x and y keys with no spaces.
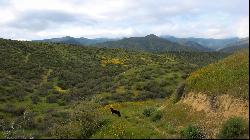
{"x":211,"y":43}
{"x":236,"y":46}
{"x":150,"y":43}
{"x":76,"y":41}
{"x":188,"y":43}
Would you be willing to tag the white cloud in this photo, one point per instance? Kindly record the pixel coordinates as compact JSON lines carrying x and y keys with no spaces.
{"x":243,"y":27}
{"x":29,"y":19}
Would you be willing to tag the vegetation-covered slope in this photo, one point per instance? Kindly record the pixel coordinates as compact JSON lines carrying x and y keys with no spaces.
{"x":211,"y":43}
{"x":188,"y":43}
{"x":237,"y":46}
{"x":76,"y":41}
{"x":150,"y":43}
{"x":48,"y":89}
{"x":228,"y":76}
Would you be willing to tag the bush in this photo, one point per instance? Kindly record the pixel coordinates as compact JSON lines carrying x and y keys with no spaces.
{"x":148,"y":111}
{"x":51,"y":99}
{"x":178,"y":93}
{"x":233,"y":128}
{"x":35,"y":99}
{"x":9,"y":108}
{"x":192,"y":132}
{"x":26,"y":121}
{"x":82,"y":121}
{"x":157,"y":116}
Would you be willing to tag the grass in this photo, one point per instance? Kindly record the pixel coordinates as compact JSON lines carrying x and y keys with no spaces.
{"x":125,"y":80}
{"x":133,"y":123}
{"x":228,"y":76}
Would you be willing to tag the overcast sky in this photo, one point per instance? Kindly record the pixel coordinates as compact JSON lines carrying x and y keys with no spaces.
{"x":39,"y":19}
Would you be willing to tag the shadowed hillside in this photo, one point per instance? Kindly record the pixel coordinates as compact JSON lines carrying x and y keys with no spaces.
{"x":149,"y":43}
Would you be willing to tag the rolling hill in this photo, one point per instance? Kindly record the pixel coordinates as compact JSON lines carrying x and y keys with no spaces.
{"x":239,"y":45}
{"x":228,"y":76}
{"x":214,"y":44}
{"x":149,"y":43}
{"x":76,"y":41}
{"x":188,"y":43}
{"x":51,"y":90}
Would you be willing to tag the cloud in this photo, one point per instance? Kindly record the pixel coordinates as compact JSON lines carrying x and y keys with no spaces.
{"x":243,"y":27}
{"x":4,"y":3}
{"x":39,"y":20}
{"x":122,"y":18}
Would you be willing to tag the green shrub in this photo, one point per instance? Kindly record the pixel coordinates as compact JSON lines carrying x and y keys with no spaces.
{"x":192,"y":132}
{"x":35,"y":99}
{"x":79,"y":123}
{"x":148,"y":111}
{"x":9,"y":108}
{"x":61,"y":102}
{"x":233,"y":128}
{"x":26,"y":121}
{"x":178,"y":93}
{"x":156,"y":116}
{"x":52,"y":99}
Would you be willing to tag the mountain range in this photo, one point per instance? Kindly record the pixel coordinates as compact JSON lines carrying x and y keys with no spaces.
{"x":236,"y":46}
{"x":76,"y":41}
{"x":211,"y":43}
{"x":153,"y":43}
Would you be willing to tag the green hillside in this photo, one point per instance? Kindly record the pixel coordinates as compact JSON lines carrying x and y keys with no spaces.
{"x":64,"y":72}
{"x":228,"y":76}
{"x":63,"y":91}
{"x":210,"y":43}
{"x":236,"y":46}
{"x":76,"y":41}
{"x":149,"y":43}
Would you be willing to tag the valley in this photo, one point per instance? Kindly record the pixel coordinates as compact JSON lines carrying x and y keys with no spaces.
{"x":48,"y":89}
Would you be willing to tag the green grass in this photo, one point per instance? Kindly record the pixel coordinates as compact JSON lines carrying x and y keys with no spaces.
{"x":129,"y":81}
{"x":228,"y":76}
{"x":133,"y":123}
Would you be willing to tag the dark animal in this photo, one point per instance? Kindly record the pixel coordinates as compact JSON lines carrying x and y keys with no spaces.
{"x":116,"y":112}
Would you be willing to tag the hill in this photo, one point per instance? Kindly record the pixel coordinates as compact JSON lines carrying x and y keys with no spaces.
{"x":214,"y":44}
{"x":239,"y":45}
{"x":149,"y":43}
{"x":51,"y":90}
{"x":76,"y":41}
{"x":228,"y":76}
{"x":188,"y":43}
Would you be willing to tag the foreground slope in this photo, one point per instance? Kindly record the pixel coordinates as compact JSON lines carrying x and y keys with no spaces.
{"x":221,"y":91}
{"x":228,"y":76}
{"x":64,"y":91}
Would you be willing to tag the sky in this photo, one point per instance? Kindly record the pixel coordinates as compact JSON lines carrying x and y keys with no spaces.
{"x":40,"y":19}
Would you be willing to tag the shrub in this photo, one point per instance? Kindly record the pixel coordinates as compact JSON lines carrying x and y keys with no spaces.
{"x":192,"y":132}
{"x":178,"y":93}
{"x":148,"y":111}
{"x":52,"y":99}
{"x":233,"y":128}
{"x":9,"y":108}
{"x":82,"y":121}
{"x":35,"y":99}
{"x":26,"y":121}
{"x":61,"y":102}
{"x":19,"y":111}
{"x":156,"y":116}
